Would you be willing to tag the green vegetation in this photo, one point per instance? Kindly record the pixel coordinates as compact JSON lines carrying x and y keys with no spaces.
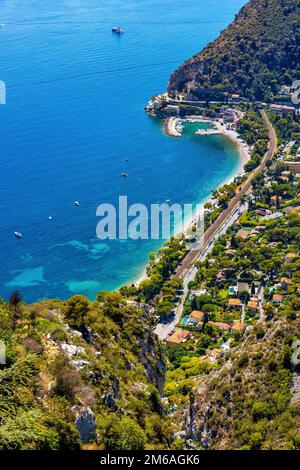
{"x":65,"y":357}
{"x":242,"y":60}
{"x":287,"y":128}
{"x":253,"y":131}
{"x":161,"y":267}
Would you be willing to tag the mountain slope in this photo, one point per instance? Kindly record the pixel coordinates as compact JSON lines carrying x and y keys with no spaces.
{"x":253,"y":56}
{"x":246,"y":402}
{"x":79,"y":373}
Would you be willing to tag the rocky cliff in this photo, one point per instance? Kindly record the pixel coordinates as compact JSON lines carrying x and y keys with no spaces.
{"x":80,"y":373}
{"x":249,"y":401}
{"x":253,"y":56}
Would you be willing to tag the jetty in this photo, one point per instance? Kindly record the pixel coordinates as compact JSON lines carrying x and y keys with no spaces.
{"x":173,"y":127}
{"x":208,"y":132}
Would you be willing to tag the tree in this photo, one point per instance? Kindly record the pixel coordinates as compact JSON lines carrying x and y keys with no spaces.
{"x":100,"y":296}
{"x":77,"y":309}
{"x":15,"y":298}
{"x":67,"y":378}
{"x":123,"y":434}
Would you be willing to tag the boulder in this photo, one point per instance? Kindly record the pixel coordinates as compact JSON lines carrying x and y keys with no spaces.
{"x":86,"y":423}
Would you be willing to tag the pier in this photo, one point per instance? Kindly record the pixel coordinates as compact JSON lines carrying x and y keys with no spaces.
{"x":173,"y":127}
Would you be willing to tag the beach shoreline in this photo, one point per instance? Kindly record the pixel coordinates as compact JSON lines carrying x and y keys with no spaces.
{"x":244,"y":156}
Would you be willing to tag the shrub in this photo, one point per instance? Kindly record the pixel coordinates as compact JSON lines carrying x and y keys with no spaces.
{"x":77,"y":309}
{"x":123,"y":434}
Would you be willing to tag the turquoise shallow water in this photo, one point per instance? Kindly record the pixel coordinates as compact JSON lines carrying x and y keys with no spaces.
{"x":75,"y":98}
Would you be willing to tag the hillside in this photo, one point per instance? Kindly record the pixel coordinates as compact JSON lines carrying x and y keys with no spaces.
{"x":246,"y":402}
{"x":79,"y":374}
{"x":253,"y":56}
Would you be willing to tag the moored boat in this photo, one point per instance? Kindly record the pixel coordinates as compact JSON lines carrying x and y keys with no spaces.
{"x":118,"y":30}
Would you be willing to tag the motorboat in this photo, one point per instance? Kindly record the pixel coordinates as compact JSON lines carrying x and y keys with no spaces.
{"x":118,"y":30}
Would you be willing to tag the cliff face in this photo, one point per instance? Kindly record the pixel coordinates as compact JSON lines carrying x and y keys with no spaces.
{"x":77,"y":370}
{"x":253,"y":56}
{"x":249,"y":401}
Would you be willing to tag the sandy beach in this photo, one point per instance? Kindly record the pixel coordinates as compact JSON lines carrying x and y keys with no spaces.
{"x":244,"y":151}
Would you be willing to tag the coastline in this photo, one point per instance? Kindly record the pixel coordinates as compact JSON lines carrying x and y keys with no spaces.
{"x":244,"y":156}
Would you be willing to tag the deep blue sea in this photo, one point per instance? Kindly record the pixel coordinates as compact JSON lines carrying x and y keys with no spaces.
{"x":75,"y":99}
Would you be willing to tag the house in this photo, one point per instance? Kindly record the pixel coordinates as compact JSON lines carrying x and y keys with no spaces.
{"x":220,"y":278}
{"x":235,"y":97}
{"x":285,"y":90}
{"x":254,"y":232}
{"x":275,"y":199}
{"x":243,"y":286}
{"x":238,"y":326}
{"x":263,"y":211}
{"x":196,"y":318}
{"x":285,"y":282}
{"x":230,"y":252}
{"x":235,"y":304}
{"x":292,"y":209}
{"x":277,"y":298}
{"x":244,"y":234}
{"x":294,"y":167}
{"x":252,"y":305}
{"x":214,"y":354}
{"x":178,"y":337}
{"x":172,"y":107}
{"x":198,"y":292}
{"x":281,"y":109}
{"x":219,"y":324}
{"x":285,"y":179}
{"x":290,"y":257}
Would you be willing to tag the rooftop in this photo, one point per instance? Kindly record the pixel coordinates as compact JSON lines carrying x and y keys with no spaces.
{"x":219,"y":324}
{"x":243,"y":234}
{"x":277,"y":297}
{"x":238,"y":326}
{"x":179,"y":336}
{"x":286,"y":280}
{"x":197,"y":315}
{"x":252,"y":304}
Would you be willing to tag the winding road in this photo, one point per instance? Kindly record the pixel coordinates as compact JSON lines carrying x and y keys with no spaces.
{"x":186,"y":270}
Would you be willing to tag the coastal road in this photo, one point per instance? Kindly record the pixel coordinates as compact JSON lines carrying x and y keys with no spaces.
{"x":163,"y":330}
{"x":186,"y":270}
{"x":193,"y":255}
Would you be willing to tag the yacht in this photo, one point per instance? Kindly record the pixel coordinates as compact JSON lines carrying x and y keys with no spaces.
{"x":125,"y":174}
{"x":77,"y":203}
{"x":18,"y":234}
{"x":118,"y":30}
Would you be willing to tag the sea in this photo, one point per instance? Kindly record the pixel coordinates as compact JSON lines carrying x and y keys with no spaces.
{"x":74,"y":121}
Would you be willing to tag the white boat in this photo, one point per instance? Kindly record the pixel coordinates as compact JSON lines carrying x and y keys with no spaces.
{"x":118,"y":30}
{"x":125,"y":174}
{"x":77,"y":203}
{"x":18,"y":234}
